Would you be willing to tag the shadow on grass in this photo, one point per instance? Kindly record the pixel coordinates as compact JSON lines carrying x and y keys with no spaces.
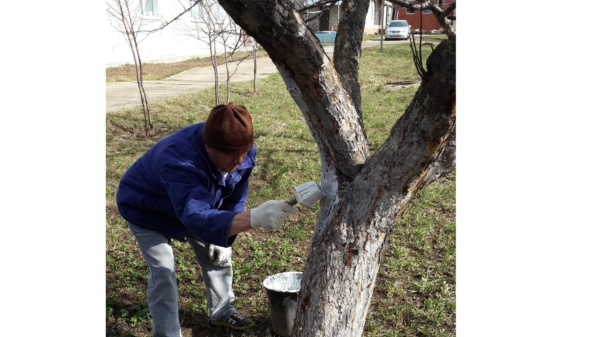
{"x":125,"y":319}
{"x":119,"y":323}
{"x":201,"y":327}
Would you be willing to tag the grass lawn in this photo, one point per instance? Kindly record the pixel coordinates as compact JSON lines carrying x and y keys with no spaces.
{"x":415,"y":290}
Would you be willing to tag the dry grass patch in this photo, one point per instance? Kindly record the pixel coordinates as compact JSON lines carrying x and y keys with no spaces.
{"x":159,"y":71}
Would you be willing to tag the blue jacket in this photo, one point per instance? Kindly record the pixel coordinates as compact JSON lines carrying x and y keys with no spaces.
{"x":174,"y":187}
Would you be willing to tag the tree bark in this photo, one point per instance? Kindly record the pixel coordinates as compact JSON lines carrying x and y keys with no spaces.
{"x":348,"y":48}
{"x":352,"y":230}
{"x":311,"y":80}
{"x":364,"y":195}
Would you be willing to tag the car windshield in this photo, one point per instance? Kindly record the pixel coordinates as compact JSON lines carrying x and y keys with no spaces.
{"x":398,"y":24}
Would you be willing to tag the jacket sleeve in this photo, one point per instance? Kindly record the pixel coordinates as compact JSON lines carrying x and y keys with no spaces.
{"x":190,"y":192}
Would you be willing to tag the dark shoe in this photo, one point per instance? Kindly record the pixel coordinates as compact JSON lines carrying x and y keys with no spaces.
{"x":235,"y":321}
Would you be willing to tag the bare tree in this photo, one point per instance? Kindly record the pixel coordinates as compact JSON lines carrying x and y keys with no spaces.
{"x":231,"y":39}
{"x":364,"y":193}
{"x":211,"y":25}
{"x":124,"y":18}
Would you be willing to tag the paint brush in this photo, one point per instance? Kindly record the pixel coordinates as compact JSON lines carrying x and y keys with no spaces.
{"x":306,"y":194}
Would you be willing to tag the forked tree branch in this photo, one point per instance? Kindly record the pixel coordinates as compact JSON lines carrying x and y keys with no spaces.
{"x":318,"y":4}
{"x":326,"y":4}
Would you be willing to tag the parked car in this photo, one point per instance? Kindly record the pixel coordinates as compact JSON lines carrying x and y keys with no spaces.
{"x":397,"y":29}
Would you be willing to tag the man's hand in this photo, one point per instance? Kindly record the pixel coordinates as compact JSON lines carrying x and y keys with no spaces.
{"x":270,"y":214}
{"x":219,"y":255}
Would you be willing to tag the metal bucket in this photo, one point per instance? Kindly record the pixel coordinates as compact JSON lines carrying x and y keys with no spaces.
{"x":282,"y":291}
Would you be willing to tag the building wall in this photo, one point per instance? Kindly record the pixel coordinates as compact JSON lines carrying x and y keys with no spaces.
{"x":172,"y":44}
{"x":372,"y":22}
{"x":334,"y":17}
{"x":414,"y":20}
{"x":330,"y":19}
{"x":370,"y":19}
{"x":324,"y":21}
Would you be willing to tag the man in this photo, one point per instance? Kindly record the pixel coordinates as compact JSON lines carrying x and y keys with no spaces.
{"x":192,"y":186}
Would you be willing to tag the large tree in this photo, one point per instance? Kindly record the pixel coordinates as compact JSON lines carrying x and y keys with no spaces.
{"x":365,"y":193}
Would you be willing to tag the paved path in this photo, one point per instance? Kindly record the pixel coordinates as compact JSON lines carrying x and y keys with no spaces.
{"x":126,"y":94}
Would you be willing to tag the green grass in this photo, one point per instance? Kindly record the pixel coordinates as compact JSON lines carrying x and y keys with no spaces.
{"x":425,"y":36}
{"x":415,"y":291}
{"x":438,"y":37}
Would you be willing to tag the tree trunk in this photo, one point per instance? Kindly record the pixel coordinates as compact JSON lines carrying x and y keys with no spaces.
{"x":128,"y":25}
{"x":254,"y":49}
{"x":348,"y":48}
{"x":215,"y":64}
{"x":227,"y":75}
{"x":353,"y":230}
{"x":311,"y":80}
{"x":364,"y":195}
{"x":148,"y":125}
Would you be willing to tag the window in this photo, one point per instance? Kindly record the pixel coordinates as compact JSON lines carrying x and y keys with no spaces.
{"x":408,"y":10}
{"x":196,"y":11}
{"x":149,"y":7}
{"x":208,"y":10}
{"x":427,"y":11}
{"x":398,"y":24}
{"x":220,"y":13}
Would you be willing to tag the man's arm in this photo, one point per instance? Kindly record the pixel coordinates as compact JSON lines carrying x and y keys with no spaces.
{"x":240,"y":223}
{"x":268,"y":215}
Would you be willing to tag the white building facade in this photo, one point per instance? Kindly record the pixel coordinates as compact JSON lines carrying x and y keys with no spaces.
{"x":376,"y":17}
{"x":178,"y":41}
{"x":185,"y":38}
{"x":373,"y":22}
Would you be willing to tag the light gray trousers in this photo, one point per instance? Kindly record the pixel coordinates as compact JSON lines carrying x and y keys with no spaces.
{"x":162,"y":284}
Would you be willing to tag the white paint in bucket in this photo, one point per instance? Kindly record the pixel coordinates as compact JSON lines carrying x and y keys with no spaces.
{"x":288,"y":282}
{"x":282,"y":291}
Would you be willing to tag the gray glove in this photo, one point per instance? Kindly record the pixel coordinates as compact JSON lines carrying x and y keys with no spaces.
{"x":219,"y":255}
{"x":270,"y":214}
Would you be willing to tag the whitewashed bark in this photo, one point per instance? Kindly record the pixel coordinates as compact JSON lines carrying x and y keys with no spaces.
{"x":364,"y":195}
{"x":346,"y":251}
